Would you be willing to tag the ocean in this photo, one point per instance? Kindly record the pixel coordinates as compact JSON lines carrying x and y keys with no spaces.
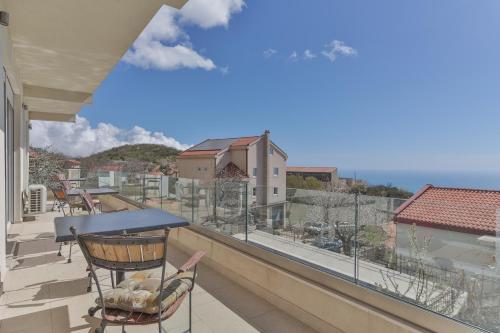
{"x":413,"y":180}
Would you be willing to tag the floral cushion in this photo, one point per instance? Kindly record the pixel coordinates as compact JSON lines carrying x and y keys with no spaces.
{"x":140,"y":292}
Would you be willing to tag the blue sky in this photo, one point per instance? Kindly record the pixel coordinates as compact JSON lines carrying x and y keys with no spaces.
{"x":420,"y":89}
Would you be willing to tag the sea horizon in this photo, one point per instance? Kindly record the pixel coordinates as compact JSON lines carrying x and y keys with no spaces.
{"x":413,"y":180}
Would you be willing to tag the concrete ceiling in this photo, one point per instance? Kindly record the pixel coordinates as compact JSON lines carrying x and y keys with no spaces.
{"x":65,"y":48}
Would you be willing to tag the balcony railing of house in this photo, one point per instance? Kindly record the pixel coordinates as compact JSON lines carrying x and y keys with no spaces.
{"x":352,"y":236}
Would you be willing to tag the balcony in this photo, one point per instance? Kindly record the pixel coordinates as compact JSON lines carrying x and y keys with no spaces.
{"x":44,"y":293}
{"x":284,"y":271}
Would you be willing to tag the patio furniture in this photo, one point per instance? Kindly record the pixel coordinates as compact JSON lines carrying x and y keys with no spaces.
{"x":141,"y":299}
{"x":72,"y":202}
{"x":133,"y":221}
{"x":90,"y":207}
{"x":124,"y":222}
{"x":59,"y":199}
{"x":91,"y":204}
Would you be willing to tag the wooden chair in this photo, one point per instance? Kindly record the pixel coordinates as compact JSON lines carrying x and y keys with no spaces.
{"x":131,"y":254}
{"x":73,"y":203}
{"x":90,"y":207}
{"x":59,"y":199}
{"x":81,"y":205}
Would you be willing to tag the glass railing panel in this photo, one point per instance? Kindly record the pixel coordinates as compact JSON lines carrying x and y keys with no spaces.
{"x":358,"y":237}
{"x":314,"y":227}
{"x":445,"y":268}
{"x":221,"y":205}
{"x":204,"y":203}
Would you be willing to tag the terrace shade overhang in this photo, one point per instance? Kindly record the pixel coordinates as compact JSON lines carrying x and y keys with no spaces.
{"x":64,"y":49}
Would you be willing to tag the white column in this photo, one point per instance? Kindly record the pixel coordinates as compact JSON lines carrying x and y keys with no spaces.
{"x":20,"y":149}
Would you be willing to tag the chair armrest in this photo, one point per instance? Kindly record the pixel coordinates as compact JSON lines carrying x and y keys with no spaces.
{"x":193,"y":261}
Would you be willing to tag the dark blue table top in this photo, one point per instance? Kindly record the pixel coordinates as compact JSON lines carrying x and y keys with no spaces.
{"x":116,"y":223}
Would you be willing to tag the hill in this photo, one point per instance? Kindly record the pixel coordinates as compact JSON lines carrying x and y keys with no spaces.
{"x":149,"y":153}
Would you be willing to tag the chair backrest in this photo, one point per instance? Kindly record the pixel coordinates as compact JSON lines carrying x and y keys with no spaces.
{"x":87,"y":201}
{"x":124,"y":253}
{"x":66,"y":185}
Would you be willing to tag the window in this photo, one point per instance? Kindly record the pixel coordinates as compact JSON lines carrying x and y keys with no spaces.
{"x":276,"y":172}
{"x":254,"y":191}
{"x":275,"y":191}
{"x":271,"y":150}
{"x":254,"y":172}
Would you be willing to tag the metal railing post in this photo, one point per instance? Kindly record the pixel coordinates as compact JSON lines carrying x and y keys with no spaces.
{"x":356,"y":216}
{"x":192,"y":200}
{"x":161,"y":192}
{"x":246,"y":212}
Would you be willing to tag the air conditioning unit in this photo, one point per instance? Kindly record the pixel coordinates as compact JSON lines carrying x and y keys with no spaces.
{"x":37,"y":198}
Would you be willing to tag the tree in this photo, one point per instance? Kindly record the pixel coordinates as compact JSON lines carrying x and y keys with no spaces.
{"x":45,"y":166}
{"x":312,"y":183}
{"x":309,"y":183}
{"x":419,"y":286}
{"x":381,"y":191}
{"x":335,"y":210}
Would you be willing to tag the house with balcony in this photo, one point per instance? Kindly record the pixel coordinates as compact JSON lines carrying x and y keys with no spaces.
{"x":256,"y":160}
{"x":54,"y":55}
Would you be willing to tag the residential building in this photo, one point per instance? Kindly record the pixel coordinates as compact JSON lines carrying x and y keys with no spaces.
{"x":460,"y":223}
{"x":255,"y":159}
{"x":323,"y":174}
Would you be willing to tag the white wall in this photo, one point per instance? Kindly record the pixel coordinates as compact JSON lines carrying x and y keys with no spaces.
{"x":21,"y":142}
{"x":2,"y":161}
{"x":460,"y":250}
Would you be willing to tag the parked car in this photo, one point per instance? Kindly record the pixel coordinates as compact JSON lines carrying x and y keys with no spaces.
{"x":334,"y":245}
{"x":316,"y":228}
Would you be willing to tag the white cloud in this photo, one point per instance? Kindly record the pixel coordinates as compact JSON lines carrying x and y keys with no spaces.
{"x":165,"y":45}
{"x":224,"y":70}
{"x":269,"y":53}
{"x":309,"y":55}
{"x":155,"y":55}
{"x":337,"y":47}
{"x":210,"y":13}
{"x":81,"y":139}
{"x":293,"y":56}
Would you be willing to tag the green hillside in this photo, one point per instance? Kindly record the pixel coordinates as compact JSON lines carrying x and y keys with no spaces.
{"x":151,"y":153}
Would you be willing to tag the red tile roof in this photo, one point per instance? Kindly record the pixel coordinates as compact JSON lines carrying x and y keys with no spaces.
{"x":458,"y":209}
{"x":312,"y":169}
{"x":198,"y":153}
{"x":245,"y":141}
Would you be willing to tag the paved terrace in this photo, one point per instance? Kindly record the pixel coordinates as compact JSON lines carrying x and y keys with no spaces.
{"x":44,"y":294}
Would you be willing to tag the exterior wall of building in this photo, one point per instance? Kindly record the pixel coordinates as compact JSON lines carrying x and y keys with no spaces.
{"x":10,"y":78}
{"x":222,"y":160}
{"x":260,"y":182}
{"x":450,"y":249}
{"x":251,"y":164}
{"x":3,"y":192}
{"x":277,"y":160}
{"x":239,"y":158}
{"x":197,"y":168}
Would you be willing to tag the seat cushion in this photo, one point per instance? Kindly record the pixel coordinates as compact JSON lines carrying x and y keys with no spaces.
{"x":141,"y":293}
